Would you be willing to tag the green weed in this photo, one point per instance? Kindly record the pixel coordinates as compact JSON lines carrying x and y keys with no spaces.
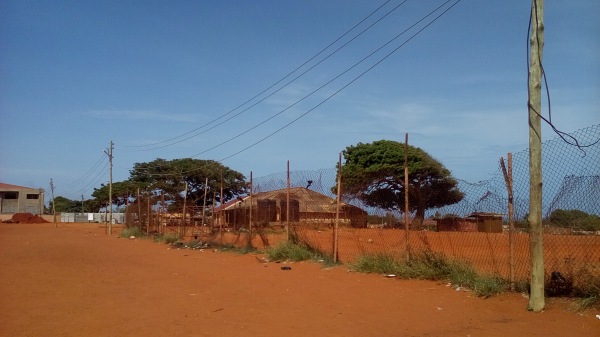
{"x":431,"y":266}
{"x":132,"y":231}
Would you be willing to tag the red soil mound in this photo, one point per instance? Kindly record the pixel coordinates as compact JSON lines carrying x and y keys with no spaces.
{"x":27,"y":218}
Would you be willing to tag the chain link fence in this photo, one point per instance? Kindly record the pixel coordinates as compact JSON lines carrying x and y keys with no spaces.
{"x":475,"y":230}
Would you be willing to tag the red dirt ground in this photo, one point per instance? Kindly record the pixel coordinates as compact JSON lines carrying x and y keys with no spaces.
{"x":76,"y":281}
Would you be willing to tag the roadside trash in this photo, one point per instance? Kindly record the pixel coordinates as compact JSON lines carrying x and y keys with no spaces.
{"x":390,"y":275}
{"x":286,"y":268}
{"x":132,"y":237}
{"x":598,"y":316}
{"x":262,"y":259}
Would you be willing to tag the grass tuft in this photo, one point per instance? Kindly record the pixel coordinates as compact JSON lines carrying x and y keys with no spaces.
{"x":431,"y":266}
{"x":587,"y":290}
{"x":290,"y":251}
{"x":587,"y":302}
{"x":132,"y":231}
{"x":169,"y":238}
{"x":234,"y":249}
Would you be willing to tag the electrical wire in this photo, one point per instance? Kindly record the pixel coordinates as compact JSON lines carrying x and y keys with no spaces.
{"x":355,"y":78}
{"x":330,"y":81}
{"x":85,"y":176}
{"x":155,"y":145}
{"x":573,"y":141}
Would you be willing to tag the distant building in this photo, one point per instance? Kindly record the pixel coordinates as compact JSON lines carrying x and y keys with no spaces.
{"x":19,"y":199}
{"x":475,"y":222}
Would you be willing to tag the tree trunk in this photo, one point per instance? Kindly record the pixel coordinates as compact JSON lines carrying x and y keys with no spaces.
{"x":420,"y":207}
{"x":419,"y":217}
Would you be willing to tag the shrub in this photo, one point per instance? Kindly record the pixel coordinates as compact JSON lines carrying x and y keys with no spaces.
{"x":575,"y":219}
{"x":132,"y":231}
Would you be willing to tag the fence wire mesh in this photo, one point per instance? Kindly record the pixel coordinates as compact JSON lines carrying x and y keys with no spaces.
{"x":475,"y":231}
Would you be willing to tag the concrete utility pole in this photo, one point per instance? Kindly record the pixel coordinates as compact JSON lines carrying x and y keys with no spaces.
{"x":109,"y":153}
{"x":536,"y":230}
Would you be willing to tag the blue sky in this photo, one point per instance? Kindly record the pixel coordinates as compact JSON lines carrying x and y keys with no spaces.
{"x":75,"y":75}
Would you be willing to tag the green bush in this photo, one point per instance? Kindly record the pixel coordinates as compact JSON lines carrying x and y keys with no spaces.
{"x":574,"y":219}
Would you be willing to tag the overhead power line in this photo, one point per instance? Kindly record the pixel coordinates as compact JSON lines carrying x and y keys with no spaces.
{"x":355,"y":78}
{"x":196,"y":132}
{"x":88,"y":173}
{"x":444,"y":8}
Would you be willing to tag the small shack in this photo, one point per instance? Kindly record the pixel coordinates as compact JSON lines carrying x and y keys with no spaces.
{"x":487,"y":222}
{"x":475,"y":222}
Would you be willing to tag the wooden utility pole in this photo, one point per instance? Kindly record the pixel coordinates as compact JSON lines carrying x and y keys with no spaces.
{"x":149,"y":216}
{"x":162,"y":211}
{"x":406,"y":218}
{"x":109,"y":153}
{"x":53,"y":204}
{"x":204,"y":203}
{"x":536,"y":230}
{"x":182,"y":231}
{"x":511,"y":218}
{"x":337,"y":210}
{"x":221,"y":210}
{"x":287,"y":203}
{"x":250,"y":219}
{"x":139,"y":214}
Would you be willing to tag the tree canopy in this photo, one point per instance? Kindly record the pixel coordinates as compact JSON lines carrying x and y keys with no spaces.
{"x":170,"y":177}
{"x":62,"y":204}
{"x":122,"y":192}
{"x":374,"y":173}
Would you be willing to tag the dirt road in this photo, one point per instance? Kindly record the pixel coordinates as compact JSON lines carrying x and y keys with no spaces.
{"x":76,"y":281}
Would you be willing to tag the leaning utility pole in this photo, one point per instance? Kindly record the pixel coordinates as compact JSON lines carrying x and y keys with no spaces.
{"x":109,"y":153}
{"x":536,"y":230}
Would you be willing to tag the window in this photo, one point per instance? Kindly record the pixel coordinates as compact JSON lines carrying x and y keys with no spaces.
{"x":33,"y":196}
{"x":11,"y":195}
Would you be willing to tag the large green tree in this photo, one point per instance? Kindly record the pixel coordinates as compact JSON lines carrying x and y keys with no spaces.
{"x":65,"y":205}
{"x":122,"y":193}
{"x":374,"y":173}
{"x":170,"y":177}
